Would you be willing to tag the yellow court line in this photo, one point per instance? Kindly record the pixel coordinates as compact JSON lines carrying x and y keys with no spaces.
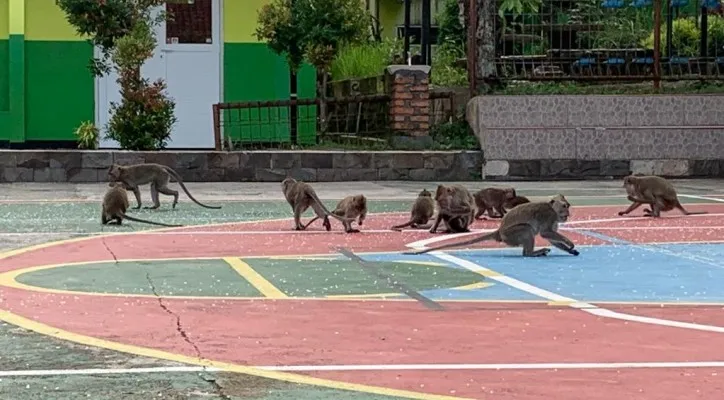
{"x":47,"y":330}
{"x":259,"y":282}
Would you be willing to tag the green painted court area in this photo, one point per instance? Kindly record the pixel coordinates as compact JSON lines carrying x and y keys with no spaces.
{"x":214,"y":277}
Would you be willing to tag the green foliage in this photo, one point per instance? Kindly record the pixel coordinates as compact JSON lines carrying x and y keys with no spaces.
{"x":450,"y":30}
{"x":308,"y":29}
{"x":444,"y":71}
{"x":144,"y":118}
{"x":686,"y":36}
{"x":87,"y":134}
{"x":364,"y":59}
{"x":454,"y":135}
{"x":620,"y":28}
{"x":281,"y":32}
{"x":518,"y":7}
{"x":124,"y":29}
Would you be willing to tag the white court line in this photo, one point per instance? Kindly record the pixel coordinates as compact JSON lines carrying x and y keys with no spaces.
{"x":693,"y":196}
{"x":539,"y":292}
{"x":374,"y":367}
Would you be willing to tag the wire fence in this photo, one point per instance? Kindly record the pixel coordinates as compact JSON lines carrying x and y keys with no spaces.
{"x":603,"y":40}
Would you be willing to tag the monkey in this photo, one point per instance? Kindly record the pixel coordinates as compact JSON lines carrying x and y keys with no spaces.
{"x":300,"y":196}
{"x":655,"y":191}
{"x":515,"y":201}
{"x":115,"y":204}
{"x":351,"y":207}
{"x":492,"y":199}
{"x":456,"y":207}
{"x":522,"y":223}
{"x":422,"y":210}
{"x":157,"y":175}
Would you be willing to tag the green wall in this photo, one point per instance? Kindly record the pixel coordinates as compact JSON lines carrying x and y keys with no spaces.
{"x":59,"y":89}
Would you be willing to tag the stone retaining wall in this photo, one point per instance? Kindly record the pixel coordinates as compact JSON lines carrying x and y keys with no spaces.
{"x":582,"y":136}
{"x":260,"y":166}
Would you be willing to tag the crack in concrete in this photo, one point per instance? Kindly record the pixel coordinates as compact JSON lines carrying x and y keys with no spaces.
{"x":179,"y":328}
{"x":103,"y":240}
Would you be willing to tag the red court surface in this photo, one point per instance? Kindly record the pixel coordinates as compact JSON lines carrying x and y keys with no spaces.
{"x":316,"y":332}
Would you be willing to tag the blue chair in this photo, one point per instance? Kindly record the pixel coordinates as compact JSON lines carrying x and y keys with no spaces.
{"x":641,"y":3}
{"x":710,"y":3}
{"x":679,"y":3}
{"x":612,"y":4}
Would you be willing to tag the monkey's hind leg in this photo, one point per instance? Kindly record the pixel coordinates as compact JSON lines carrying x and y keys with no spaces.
{"x":154,"y":198}
{"x":169,"y":192}
{"x":560,"y":241}
{"x":523,"y":235}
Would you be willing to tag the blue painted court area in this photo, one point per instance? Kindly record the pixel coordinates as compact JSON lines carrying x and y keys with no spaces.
{"x":611,"y":273}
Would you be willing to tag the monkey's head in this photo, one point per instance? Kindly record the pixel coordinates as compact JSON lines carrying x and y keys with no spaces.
{"x":360,"y":201}
{"x":425,"y":193}
{"x":287,"y":182}
{"x":630,"y":183}
{"x":510,"y":193}
{"x":115,"y":172}
{"x":561,"y":206}
{"x":443,"y":193}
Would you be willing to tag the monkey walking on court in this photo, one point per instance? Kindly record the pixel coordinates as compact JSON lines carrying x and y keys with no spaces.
{"x":492,"y":199}
{"x":456,"y":208}
{"x":115,"y":204}
{"x":422,"y":210}
{"x":521,"y":224}
{"x":301,"y":196}
{"x":157,"y":175}
{"x":655,"y":191}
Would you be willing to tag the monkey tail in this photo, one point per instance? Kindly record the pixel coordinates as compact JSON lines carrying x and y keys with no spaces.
{"x":128,"y":217}
{"x":696,"y":212}
{"x":310,"y":221}
{"x":181,"y":183}
{"x":329,"y":213}
{"x":495,"y":235}
{"x":405,"y":225}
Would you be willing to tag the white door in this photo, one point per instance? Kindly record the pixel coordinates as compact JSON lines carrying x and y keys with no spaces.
{"x":188,"y":58}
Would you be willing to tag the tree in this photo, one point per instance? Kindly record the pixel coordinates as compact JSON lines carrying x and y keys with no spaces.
{"x":124,"y":32}
{"x":312,"y":30}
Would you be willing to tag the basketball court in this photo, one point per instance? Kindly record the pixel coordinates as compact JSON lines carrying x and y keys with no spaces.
{"x":236,"y":304}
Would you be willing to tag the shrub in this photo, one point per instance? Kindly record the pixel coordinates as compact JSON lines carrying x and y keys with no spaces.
{"x":444,"y":71}
{"x":87,"y":134}
{"x":365,"y":59}
{"x":685,"y":37}
{"x":124,"y":29}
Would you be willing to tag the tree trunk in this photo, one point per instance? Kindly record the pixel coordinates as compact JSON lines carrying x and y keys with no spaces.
{"x":323,"y":123}
{"x":485,"y":38}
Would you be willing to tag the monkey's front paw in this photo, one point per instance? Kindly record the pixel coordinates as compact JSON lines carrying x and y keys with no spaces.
{"x":574,"y":252}
{"x":621,"y":213}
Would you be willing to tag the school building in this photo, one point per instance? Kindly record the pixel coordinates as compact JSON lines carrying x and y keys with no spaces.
{"x":206,"y":55}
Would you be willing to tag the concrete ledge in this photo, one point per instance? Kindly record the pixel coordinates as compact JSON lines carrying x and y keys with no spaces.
{"x":258,"y":166}
{"x":543,"y":169}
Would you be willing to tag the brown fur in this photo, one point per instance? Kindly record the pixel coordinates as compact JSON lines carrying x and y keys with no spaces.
{"x":492,"y":199}
{"x":422,"y":211}
{"x":655,"y":191}
{"x":352,"y":207}
{"x":301,"y":196}
{"x":515,"y":201}
{"x":456,"y":207}
{"x":522,"y":223}
{"x":115,"y":204}
{"x":157,"y":175}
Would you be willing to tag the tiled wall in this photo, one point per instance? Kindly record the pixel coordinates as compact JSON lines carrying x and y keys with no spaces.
{"x":599,"y":127}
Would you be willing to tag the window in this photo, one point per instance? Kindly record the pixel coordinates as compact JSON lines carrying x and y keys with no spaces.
{"x":189,"y":22}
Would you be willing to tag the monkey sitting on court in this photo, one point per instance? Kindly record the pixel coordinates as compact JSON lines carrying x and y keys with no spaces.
{"x":521,"y":224}
{"x":422,"y":210}
{"x":115,"y":204}
{"x":655,"y":191}
{"x":456,"y":208}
